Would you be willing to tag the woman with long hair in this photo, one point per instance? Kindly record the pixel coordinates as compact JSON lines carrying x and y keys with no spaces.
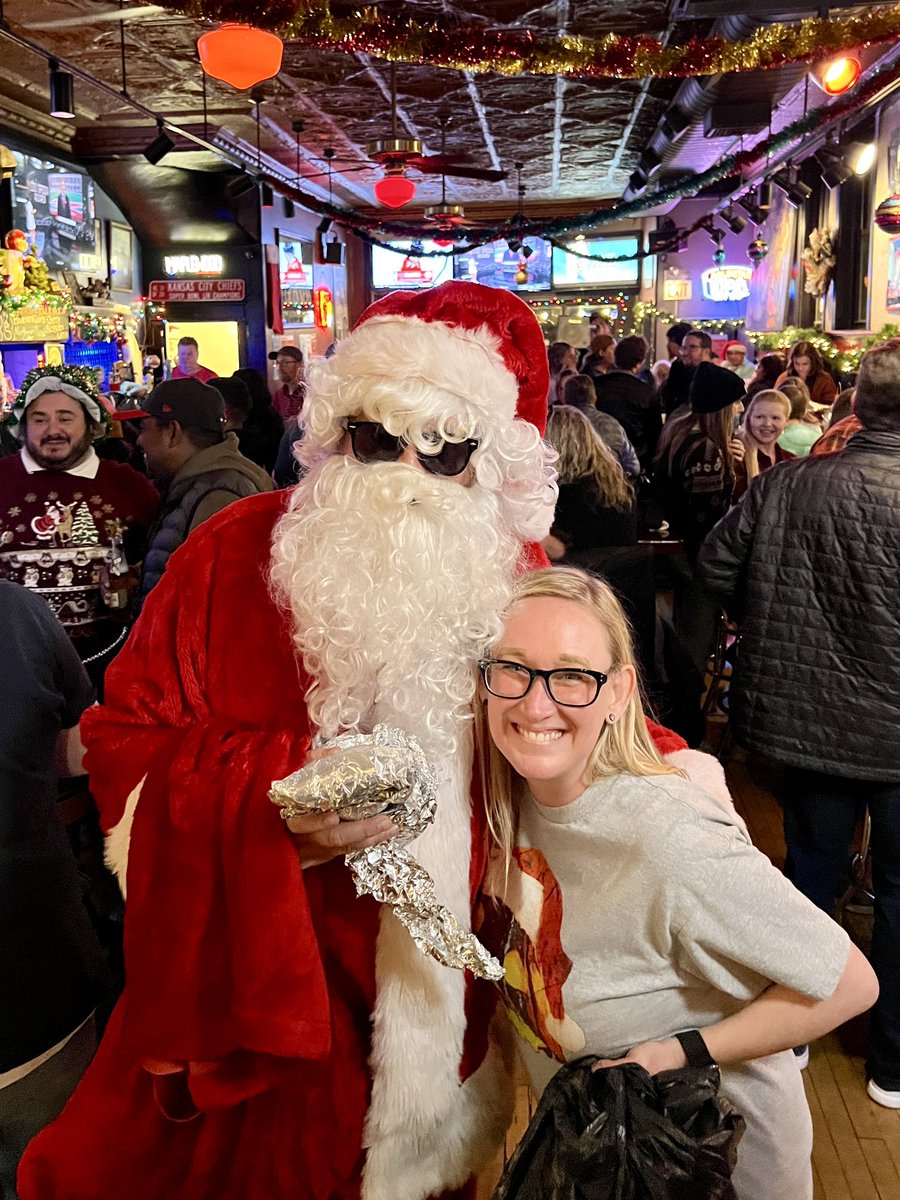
{"x":765,"y":420}
{"x":769,"y":369}
{"x":803,"y":429}
{"x":596,"y":505}
{"x":805,"y":361}
{"x":619,"y":892}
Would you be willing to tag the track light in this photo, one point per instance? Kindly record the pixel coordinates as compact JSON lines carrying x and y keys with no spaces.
{"x":527,"y":251}
{"x":159,"y":147}
{"x":514,"y":244}
{"x":637,"y":181}
{"x":830,"y":162}
{"x":240,"y":186}
{"x":715,"y":234}
{"x":797,"y":193}
{"x":62,"y":92}
{"x":735,"y":223}
{"x":753,"y":211}
{"x":266,"y":195}
{"x":674,"y":122}
{"x":836,"y":75}
{"x":860,"y":156}
{"x":649,"y":161}
{"x":288,"y":207}
{"x":323,"y":226}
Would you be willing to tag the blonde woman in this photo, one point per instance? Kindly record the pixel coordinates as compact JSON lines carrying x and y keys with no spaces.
{"x":596,"y":505}
{"x":634,"y":917}
{"x":765,"y":420}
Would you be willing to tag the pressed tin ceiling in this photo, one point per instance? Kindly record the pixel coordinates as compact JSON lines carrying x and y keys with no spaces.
{"x":579,"y":140}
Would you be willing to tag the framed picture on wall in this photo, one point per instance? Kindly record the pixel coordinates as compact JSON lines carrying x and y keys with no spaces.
{"x":121,"y":251}
{"x":892,"y":299}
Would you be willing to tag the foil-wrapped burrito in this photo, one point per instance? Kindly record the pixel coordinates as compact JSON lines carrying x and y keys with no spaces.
{"x":387,"y":772}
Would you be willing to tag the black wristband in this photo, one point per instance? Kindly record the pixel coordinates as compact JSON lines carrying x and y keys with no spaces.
{"x":695,"y":1049}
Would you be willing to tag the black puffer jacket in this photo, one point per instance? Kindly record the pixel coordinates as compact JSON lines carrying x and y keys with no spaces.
{"x":809,"y":564}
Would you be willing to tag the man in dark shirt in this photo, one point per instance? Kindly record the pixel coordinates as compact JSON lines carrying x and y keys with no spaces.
{"x":630,"y":400}
{"x":53,"y":969}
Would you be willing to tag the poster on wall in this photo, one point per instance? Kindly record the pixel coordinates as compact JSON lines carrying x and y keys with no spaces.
{"x":55,"y":208}
{"x":296,"y":276}
{"x":892,"y":299}
{"x":767,"y":303}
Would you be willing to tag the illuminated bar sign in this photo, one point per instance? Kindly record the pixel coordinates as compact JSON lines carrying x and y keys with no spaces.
{"x":193,"y":264}
{"x":726,"y":283}
{"x":175,"y":291}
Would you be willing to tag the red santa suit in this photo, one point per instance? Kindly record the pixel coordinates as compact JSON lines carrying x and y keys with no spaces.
{"x":240,"y":1063}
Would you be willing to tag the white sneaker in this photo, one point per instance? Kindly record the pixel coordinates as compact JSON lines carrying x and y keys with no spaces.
{"x":801,"y":1053}
{"x":881,"y":1096}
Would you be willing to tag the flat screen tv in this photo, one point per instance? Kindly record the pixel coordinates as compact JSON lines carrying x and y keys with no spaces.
{"x":55,"y":208}
{"x":571,"y":270}
{"x":496,"y":265}
{"x":392,"y":271}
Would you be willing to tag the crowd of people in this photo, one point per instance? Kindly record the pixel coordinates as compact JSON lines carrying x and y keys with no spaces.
{"x":373,"y":548}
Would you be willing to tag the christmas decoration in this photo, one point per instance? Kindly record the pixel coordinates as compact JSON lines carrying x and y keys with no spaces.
{"x":644,"y":311}
{"x":483,"y":48}
{"x":98,"y":327}
{"x":757,"y":250}
{"x":887,"y":214}
{"x":25,"y":282}
{"x":818,"y":261}
{"x":84,"y":531}
{"x":719,"y":256}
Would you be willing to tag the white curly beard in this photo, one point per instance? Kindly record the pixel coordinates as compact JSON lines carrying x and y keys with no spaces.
{"x":396,"y":581}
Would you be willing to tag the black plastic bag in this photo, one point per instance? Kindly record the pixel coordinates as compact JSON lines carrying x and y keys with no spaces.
{"x":621,"y":1134}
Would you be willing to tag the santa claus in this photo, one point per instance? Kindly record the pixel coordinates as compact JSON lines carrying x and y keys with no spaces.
{"x":279,"y":1037}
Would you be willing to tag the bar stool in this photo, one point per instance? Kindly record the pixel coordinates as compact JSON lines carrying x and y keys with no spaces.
{"x":721,"y":671}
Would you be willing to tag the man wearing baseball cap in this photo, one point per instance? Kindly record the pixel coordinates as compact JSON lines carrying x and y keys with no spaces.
{"x":194,"y":462}
{"x":288,"y":399}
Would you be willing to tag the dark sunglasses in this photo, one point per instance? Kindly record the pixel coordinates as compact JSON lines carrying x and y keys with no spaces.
{"x":371,"y":442}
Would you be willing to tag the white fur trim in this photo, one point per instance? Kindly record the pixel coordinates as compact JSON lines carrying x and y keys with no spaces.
{"x":425,"y":1131}
{"x":466,"y":363}
{"x":118,"y":840}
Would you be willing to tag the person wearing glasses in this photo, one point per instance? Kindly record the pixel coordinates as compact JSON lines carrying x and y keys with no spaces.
{"x":279,"y":1036}
{"x":634,"y":917}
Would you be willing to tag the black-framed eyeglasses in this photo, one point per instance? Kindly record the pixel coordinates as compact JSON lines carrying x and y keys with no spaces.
{"x":371,"y":442}
{"x":572,"y":687}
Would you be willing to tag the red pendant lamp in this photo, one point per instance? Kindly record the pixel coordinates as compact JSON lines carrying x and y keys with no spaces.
{"x":395,"y":190}
{"x":836,"y":75}
{"x":241,"y":55}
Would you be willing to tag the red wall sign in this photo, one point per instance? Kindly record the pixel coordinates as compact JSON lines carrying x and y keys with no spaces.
{"x":167,"y":291}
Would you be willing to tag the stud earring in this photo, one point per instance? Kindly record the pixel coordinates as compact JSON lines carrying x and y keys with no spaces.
{"x":611,"y":718}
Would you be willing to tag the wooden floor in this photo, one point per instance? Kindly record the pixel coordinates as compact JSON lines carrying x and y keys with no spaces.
{"x":856,"y":1151}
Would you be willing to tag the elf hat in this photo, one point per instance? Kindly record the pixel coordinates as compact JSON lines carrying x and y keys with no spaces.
{"x":79,"y":383}
{"x":481,"y":343}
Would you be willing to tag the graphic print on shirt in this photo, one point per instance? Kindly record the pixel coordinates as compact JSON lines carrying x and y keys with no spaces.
{"x":521,"y":923}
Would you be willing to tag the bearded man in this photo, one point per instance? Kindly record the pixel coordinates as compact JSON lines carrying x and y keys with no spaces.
{"x":280,"y":1038}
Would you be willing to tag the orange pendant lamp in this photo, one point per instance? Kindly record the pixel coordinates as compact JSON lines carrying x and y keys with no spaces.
{"x":241,"y":55}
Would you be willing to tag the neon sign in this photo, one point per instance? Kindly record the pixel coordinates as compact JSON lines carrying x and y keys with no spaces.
{"x":323,"y":307}
{"x":726,"y":283}
{"x":193,"y":264}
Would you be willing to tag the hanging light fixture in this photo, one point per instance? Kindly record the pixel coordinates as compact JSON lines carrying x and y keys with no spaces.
{"x":836,"y":75}
{"x":395,"y":190}
{"x":159,"y":147}
{"x":241,"y":55}
{"x":62,"y":92}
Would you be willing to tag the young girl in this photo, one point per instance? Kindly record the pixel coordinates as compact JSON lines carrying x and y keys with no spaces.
{"x":628,"y":906}
{"x":765,"y":420}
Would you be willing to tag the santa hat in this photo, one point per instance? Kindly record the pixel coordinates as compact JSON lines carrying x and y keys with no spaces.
{"x":78,"y":383}
{"x":482,"y":343}
{"x":734,"y":345}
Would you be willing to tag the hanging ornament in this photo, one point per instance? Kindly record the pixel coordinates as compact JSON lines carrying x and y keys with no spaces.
{"x":521,"y":276}
{"x":887,"y":214}
{"x":719,"y":256}
{"x":757,"y":250}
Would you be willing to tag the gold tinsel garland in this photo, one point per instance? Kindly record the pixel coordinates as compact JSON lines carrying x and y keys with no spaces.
{"x":480,"y":49}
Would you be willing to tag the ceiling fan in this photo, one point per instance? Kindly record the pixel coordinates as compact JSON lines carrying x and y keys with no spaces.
{"x":396,"y":154}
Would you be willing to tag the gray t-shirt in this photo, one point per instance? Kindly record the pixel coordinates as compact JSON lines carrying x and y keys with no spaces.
{"x":642,"y":909}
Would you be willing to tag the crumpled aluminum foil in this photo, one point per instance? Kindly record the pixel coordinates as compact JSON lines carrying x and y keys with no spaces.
{"x":387,"y":772}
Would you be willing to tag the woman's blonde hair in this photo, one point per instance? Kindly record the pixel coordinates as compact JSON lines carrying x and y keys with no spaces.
{"x":582,"y":454}
{"x":623,"y":748}
{"x":751,"y":445}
